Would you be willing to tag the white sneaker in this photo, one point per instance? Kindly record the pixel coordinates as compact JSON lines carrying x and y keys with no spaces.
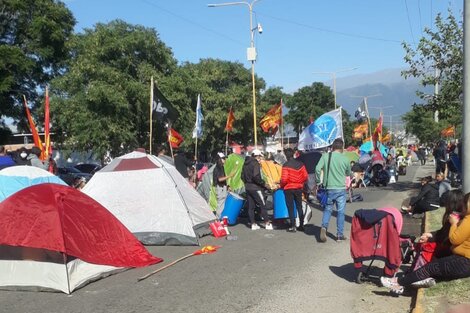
{"x":269,"y":226}
{"x":255,"y":227}
{"x":392,"y":285}
{"x":425,"y":283}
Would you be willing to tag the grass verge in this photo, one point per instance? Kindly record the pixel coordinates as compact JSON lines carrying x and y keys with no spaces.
{"x":444,"y":294}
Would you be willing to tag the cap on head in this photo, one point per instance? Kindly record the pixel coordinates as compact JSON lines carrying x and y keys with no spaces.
{"x":256,"y":152}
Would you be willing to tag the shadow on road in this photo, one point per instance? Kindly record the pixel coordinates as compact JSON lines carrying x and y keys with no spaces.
{"x":347,"y":272}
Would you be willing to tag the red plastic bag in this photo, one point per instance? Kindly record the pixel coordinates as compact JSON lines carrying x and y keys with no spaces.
{"x":218,"y":229}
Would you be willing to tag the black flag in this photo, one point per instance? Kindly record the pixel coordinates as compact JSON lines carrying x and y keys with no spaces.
{"x":162,"y":108}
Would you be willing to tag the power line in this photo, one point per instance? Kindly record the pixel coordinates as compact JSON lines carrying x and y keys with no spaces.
{"x":409,"y":23}
{"x":329,"y":30}
{"x":193,"y":22}
{"x":420,"y":22}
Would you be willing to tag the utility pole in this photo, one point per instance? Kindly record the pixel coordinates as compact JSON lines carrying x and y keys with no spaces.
{"x":466,"y":98}
{"x":333,"y":76}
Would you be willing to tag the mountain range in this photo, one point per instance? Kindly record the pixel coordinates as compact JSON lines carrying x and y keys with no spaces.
{"x":387,"y":90}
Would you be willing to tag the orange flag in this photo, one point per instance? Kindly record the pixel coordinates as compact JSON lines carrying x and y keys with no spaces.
{"x":377,"y":136}
{"x":448,"y":132}
{"x":174,"y":138}
{"x":386,"y":138}
{"x":361,"y":128}
{"x":34,"y":132}
{"x":230,"y":119}
{"x":272,"y":119}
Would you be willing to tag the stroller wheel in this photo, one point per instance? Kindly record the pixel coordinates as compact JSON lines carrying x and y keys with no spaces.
{"x":361,"y":278}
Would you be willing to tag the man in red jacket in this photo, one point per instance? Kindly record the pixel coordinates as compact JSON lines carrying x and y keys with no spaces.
{"x":293,"y":177}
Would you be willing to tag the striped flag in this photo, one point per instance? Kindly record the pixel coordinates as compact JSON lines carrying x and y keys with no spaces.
{"x":32,"y":125}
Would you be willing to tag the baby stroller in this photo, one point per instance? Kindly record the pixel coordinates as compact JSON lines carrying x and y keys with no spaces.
{"x":375,"y":235}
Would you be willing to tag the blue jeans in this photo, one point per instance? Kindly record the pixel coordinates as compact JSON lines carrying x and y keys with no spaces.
{"x":337,"y":196}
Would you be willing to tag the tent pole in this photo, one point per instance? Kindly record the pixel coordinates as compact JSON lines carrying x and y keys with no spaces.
{"x":150,"y":115}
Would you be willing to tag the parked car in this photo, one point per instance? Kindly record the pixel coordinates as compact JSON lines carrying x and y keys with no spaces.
{"x":69,"y":174}
{"x":90,"y":168}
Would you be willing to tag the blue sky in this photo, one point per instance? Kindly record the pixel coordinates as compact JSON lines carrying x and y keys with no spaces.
{"x":299,"y":37}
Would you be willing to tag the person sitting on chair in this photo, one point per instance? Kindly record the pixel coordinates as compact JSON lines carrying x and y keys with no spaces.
{"x":426,"y":200}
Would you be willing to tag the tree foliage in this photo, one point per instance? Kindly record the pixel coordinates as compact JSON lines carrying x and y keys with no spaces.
{"x":309,"y":101}
{"x":441,"y":49}
{"x":33,"y":36}
{"x":420,"y":122}
{"x":102,"y":101}
{"x":222,"y":84}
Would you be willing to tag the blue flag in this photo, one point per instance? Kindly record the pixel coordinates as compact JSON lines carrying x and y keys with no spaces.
{"x":322,"y":132}
{"x":197,"y":131}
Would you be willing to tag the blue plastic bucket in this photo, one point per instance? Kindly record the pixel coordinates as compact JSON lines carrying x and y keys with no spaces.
{"x":232,"y":208}
{"x":280,"y":207}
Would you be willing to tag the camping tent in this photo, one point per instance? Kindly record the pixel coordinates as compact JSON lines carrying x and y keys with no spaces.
{"x":367,"y":146}
{"x":55,"y":237}
{"x":151,"y":198}
{"x":15,"y":178}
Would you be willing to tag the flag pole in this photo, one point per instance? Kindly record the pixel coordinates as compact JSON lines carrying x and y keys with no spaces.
{"x":150,"y":113}
{"x":226,"y":142}
{"x":169,"y":142}
{"x":282,"y":129}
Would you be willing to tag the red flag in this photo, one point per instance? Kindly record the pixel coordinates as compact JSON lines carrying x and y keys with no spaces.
{"x":378,"y":130}
{"x":230,"y":119}
{"x":174,"y":138}
{"x":34,"y":132}
{"x":47,"y":140}
{"x":448,"y":132}
{"x":272,"y":119}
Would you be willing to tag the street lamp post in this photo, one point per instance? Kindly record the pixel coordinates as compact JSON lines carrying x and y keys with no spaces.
{"x":333,"y":74}
{"x":251,"y":53}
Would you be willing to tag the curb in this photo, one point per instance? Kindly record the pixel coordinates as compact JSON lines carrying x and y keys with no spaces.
{"x":420,"y":293}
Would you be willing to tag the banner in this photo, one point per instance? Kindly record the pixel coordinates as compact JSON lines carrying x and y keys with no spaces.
{"x":174,"y":138}
{"x":163,"y":109}
{"x":272,"y":119}
{"x":448,"y":132}
{"x":230,"y":120}
{"x":361,"y":112}
{"x":322,"y":132}
{"x":197,"y":131}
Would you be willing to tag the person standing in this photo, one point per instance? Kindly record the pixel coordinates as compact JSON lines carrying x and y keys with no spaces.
{"x":335,"y":167}
{"x":440,"y":155}
{"x":254,"y":186}
{"x":34,"y":160}
{"x":182,"y":163}
{"x":293,"y":177}
{"x":219,"y":180}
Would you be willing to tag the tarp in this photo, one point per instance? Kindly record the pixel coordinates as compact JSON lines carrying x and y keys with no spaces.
{"x":271,"y":173}
{"x":16,"y":178}
{"x":367,"y":146}
{"x":60,"y":219}
{"x":151,"y":198}
{"x":234,"y":163}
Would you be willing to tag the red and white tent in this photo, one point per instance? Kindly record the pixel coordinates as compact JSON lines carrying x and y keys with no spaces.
{"x":56,"y":237}
{"x":151,"y":198}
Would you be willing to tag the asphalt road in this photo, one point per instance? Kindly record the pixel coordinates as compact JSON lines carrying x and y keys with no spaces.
{"x":262,"y":271}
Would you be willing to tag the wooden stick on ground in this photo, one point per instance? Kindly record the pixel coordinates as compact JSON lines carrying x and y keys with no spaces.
{"x":164,"y":267}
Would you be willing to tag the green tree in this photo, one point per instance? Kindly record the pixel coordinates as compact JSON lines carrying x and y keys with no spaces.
{"x":440,"y":50}
{"x":309,"y":101}
{"x":102,"y":100}
{"x":222,"y":84}
{"x":420,"y":122}
{"x":33,"y":36}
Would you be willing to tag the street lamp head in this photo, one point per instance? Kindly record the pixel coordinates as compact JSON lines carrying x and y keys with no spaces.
{"x":260,"y":28}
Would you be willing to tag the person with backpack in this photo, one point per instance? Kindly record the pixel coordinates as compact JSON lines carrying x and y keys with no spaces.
{"x":293,"y":177}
